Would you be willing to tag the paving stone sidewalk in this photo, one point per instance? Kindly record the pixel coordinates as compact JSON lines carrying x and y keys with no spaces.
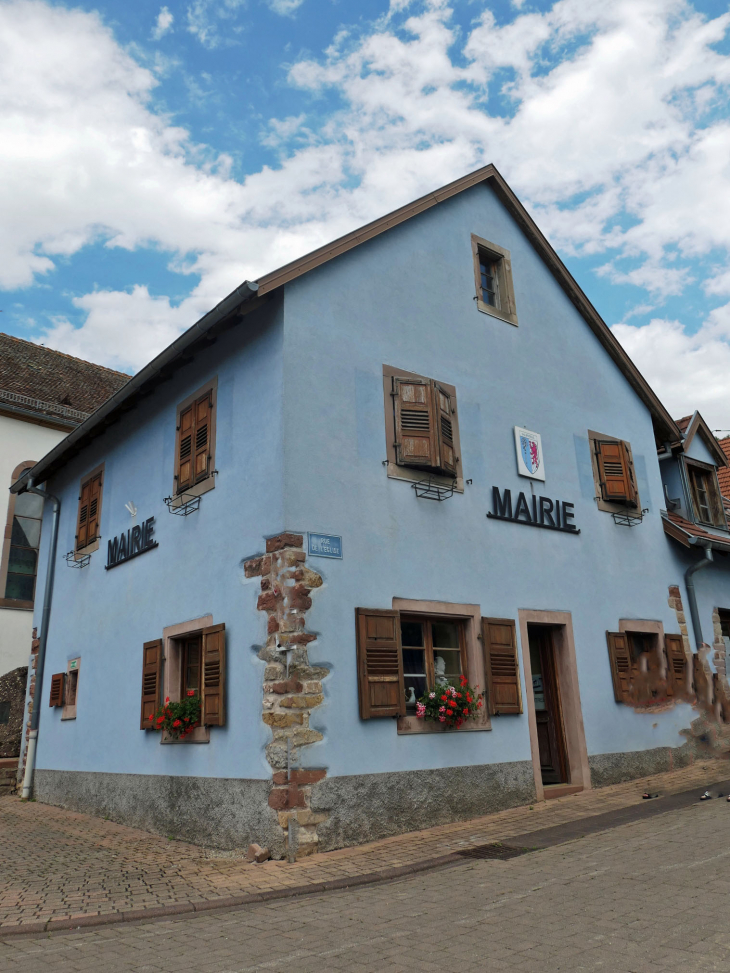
{"x":60,"y":868}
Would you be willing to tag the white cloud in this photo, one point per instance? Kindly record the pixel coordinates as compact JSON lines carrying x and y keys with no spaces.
{"x":285,"y":7}
{"x":163,"y":25}
{"x":204,"y":18}
{"x":689,"y":370}
{"x":616,"y":140}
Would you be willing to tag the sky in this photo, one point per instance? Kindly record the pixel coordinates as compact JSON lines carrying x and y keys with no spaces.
{"x":153,"y":157}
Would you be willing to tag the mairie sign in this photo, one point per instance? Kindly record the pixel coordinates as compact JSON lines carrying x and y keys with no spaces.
{"x":540,"y":512}
{"x":130,"y":543}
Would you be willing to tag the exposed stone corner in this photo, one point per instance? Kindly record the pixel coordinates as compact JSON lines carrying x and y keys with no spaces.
{"x":292,"y":686}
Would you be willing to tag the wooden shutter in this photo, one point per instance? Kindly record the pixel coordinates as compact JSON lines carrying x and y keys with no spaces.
{"x":676,"y":666}
{"x":445,"y":429}
{"x":416,"y":440}
{"x":213,"y":710}
{"x":703,"y":689}
{"x":201,"y":466}
{"x":499,"y":640}
{"x":721,"y":696}
{"x":379,"y":663}
{"x":185,"y":449}
{"x":87,"y":524}
{"x":151,"y":678}
{"x":615,"y":472}
{"x":57,"y":686}
{"x":619,"y":655}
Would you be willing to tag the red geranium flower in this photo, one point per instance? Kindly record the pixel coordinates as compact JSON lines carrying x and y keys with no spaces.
{"x":191,"y":692}
{"x":177,"y":723}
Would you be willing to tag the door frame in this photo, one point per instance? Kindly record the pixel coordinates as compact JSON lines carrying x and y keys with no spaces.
{"x":578,"y":771}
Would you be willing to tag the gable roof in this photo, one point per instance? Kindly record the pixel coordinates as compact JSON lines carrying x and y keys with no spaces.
{"x":40,"y":382}
{"x":250,"y":295}
{"x":690,"y":534}
{"x":690,"y":426}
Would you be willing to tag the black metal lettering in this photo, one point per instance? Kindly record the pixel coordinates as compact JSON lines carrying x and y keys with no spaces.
{"x":502,"y":507}
{"x":149,"y":529}
{"x":136,"y":540}
{"x":112,"y":551}
{"x":522,"y":507}
{"x":557,"y":515}
{"x":567,"y":515}
{"x":546,"y":506}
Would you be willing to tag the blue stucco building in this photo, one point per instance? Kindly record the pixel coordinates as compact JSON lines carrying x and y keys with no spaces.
{"x":415,"y":455}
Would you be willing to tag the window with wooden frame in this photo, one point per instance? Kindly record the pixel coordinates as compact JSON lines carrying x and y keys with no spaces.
{"x":647,"y":666}
{"x":195,"y":442}
{"x":88,"y":519}
{"x":614,"y":474}
{"x":19,"y":564}
{"x":71,"y":689}
{"x":705,"y":494}
{"x":495,"y":293}
{"x":408,"y":650}
{"x":421,"y":428}
{"x":191,"y":661}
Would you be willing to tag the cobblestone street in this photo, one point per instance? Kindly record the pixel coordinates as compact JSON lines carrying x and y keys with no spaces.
{"x":640,"y":898}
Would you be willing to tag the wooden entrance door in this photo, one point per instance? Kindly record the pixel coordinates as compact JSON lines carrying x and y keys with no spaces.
{"x":546,"y":690}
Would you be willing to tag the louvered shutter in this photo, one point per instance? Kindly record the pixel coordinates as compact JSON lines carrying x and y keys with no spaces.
{"x":151,"y":678}
{"x":185,"y":449}
{"x":58,"y":681}
{"x":499,"y":641}
{"x":201,"y":466}
{"x":379,"y":663}
{"x":445,"y":429}
{"x":615,"y":472}
{"x":92,"y":531}
{"x":82,"y":524}
{"x":619,"y":655}
{"x":676,"y":666}
{"x":213,"y":711}
{"x":416,"y":442}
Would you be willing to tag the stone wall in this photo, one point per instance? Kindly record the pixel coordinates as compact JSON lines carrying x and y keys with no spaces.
{"x":292,"y":687}
{"x":12,"y":691}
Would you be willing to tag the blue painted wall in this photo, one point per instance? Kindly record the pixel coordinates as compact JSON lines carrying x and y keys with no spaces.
{"x":300,"y":444}
{"x":106,"y":616}
{"x":406,"y":299}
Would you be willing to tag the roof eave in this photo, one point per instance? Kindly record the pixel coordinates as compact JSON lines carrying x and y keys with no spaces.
{"x":138,"y":384}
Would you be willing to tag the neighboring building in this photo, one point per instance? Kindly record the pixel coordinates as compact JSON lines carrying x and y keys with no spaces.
{"x":307,"y":509}
{"x":44,"y":394}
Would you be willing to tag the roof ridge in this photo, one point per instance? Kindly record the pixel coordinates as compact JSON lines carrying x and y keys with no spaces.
{"x":55,"y":351}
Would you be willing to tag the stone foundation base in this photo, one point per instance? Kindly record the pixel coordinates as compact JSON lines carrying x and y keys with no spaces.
{"x":212,"y":811}
{"x":614,"y":768}
{"x":370,"y":806}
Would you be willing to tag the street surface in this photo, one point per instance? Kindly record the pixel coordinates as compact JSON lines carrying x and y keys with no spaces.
{"x":645,"y":897}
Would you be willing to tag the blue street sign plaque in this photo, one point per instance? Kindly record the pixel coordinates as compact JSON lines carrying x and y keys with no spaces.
{"x":325,"y":545}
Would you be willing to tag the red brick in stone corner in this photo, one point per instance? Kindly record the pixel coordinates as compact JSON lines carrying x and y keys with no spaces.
{"x":267,"y":602}
{"x":299,"y":597}
{"x":273,"y":625}
{"x":301,"y":777}
{"x":290,"y":686}
{"x":281,"y":541}
{"x":253,"y":567}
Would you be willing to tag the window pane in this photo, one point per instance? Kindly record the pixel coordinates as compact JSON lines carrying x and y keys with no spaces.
{"x":26,"y":533}
{"x":445,"y":635}
{"x":22,"y":561}
{"x":20,"y":586}
{"x":411,"y":633}
{"x":28,"y":505}
{"x":447,"y":665}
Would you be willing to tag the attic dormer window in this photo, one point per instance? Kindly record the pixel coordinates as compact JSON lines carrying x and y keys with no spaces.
{"x":493,"y":272}
{"x":705,"y":493}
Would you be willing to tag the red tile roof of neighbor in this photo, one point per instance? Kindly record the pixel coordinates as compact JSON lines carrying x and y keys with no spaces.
{"x":683,"y":423}
{"x":723,"y":475}
{"x":682,"y":529}
{"x":47,"y":382}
